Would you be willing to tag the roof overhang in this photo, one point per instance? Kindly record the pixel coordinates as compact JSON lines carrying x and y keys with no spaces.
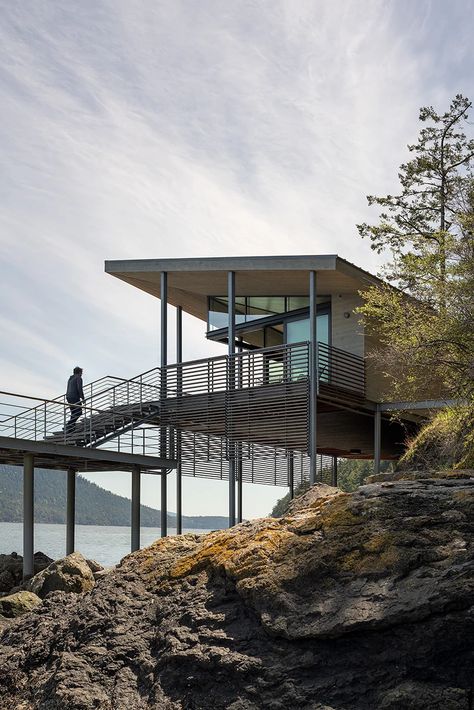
{"x":191,"y":281}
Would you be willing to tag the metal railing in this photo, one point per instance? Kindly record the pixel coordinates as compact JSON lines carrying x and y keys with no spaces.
{"x":248,"y":405}
{"x":47,"y":420}
{"x":341,"y":370}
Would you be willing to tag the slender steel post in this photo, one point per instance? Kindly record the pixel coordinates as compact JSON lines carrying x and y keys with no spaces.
{"x":334,"y":471}
{"x":163,"y":396}
{"x":231,"y":384}
{"x":313,"y":377}
{"x":240,"y":492}
{"x":377,"y":439}
{"x":28,"y":516}
{"x":70,"y":511}
{"x":164,"y":503}
{"x":291,"y":474}
{"x":179,"y":474}
{"x":135,"y":529}
{"x":239,"y":461}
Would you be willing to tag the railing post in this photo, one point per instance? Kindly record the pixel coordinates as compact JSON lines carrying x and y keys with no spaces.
{"x":313,"y":377}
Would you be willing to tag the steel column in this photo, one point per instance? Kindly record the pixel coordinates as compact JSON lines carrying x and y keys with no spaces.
{"x":179,"y":474}
{"x":313,"y":377}
{"x":334,"y":471}
{"x":164,"y":503}
{"x":239,"y":483}
{"x":231,"y":383}
{"x":28,"y":516}
{"x":291,"y":474}
{"x":164,"y":363}
{"x":70,"y":511}
{"x":135,"y":529}
{"x":377,"y":439}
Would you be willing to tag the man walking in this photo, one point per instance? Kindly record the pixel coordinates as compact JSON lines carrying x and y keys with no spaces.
{"x":74,"y":396}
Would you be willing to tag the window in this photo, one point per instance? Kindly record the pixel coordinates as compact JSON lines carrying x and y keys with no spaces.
{"x":297,"y":331}
{"x":251,"y":308}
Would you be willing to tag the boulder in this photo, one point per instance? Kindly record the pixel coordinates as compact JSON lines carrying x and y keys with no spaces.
{"x":69,"y":574}
{"x":11,"y":569}
{"x":18,"y":604}
{"x":357,"y":601}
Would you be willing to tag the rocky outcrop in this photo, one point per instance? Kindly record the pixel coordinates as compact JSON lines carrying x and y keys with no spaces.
{"x":18,"y":604}
{"x":351,"y":602}
{"x":11,"y":569}
{"x":69,"y":574}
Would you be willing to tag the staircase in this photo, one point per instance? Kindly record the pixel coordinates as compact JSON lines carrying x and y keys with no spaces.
{"x":113,"y":407}
{"x":100,"y":427}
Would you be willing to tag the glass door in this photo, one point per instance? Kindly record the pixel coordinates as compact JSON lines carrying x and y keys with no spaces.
{"x":297,"y":331}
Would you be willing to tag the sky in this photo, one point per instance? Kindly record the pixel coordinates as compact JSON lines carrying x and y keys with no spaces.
{"x":167,"y":128}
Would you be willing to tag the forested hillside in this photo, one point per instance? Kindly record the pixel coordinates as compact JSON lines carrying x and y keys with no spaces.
{"x":94,"y":505}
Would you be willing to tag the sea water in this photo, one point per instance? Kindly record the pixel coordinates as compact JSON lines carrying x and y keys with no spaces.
{"x":106,"y":544}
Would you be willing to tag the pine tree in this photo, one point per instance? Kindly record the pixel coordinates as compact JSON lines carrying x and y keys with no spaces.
{"x":427,"y":342}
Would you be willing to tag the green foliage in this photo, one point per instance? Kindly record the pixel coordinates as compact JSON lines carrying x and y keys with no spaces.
{"x":281,"y":506}
{"x":351,"y":473}
{"x":426,"y":343}
{"x":94,"y":505}
{"x":447,"y":441}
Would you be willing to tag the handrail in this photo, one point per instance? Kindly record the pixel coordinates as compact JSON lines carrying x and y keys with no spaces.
{"x":66,"y":405}
{"x":88,"y":384}
{"x":127,"y":404}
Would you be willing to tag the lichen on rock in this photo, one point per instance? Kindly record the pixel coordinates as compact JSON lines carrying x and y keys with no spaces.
{"x":351,"y":601}
{"x":18,"y":604}
{"x":69,"y":574}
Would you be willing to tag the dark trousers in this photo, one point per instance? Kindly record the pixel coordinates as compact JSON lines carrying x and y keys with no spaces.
{"x":76,"y":411}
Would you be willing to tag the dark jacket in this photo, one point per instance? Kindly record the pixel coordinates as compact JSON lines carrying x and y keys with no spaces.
{"x":74,"y":391}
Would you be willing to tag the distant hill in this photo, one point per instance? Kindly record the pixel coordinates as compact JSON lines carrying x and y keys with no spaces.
{"x":94,"y":505}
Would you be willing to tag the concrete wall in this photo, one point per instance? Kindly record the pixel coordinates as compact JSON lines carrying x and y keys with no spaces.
{"x":347,"y":333}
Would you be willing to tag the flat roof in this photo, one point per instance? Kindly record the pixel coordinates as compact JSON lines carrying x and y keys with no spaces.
{"x":192,"y":280}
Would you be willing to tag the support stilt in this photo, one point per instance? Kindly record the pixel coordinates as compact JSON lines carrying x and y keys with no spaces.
{"x":334,"y":471}
{"x":291,"y":474}
{"x":28,"y":516}
{"x":377,"y":439}
{"x":314,"y":377}
{"x":231,"y":385}
{"x":239,"y":484}
{"x":164,"y":504}
{"x":179,"y":473}
{"x":135,"y":529}
{"x":164,"y":364}
{"x":70,"y":511}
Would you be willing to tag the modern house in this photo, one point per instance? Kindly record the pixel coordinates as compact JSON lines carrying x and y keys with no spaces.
{"x":292,"y":391}
{"x":294,"y":385}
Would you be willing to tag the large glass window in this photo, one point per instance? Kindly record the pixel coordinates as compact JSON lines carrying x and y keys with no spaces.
{"x":250,"y":308}
{"x":297,"y":331}
{"x":218,"y":313}
{"x":264,"y":306}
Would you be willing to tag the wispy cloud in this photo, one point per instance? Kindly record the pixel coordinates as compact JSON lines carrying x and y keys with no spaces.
{"x":145,"y":129}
